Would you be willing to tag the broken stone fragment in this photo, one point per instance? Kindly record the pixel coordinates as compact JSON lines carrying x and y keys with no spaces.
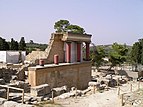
{"x":40,"y":90}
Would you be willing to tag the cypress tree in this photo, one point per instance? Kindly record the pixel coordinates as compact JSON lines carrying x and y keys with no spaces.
{"x":16,"y":45}
{"x":22,"y":44}
{"x":13,"y":44}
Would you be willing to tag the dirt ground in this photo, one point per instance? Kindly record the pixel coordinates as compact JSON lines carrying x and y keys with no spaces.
{"x":105,"y":99}
{"x":108,"y":98}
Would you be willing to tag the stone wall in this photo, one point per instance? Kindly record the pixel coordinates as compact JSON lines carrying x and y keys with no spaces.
{"x":55,"y":46}
{"x":73,"y":75}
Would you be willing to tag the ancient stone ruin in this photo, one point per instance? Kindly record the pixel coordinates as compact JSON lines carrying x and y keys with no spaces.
{"x":63,"y":64}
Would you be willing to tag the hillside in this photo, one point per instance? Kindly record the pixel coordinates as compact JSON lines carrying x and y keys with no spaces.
{"x":35,"y":46}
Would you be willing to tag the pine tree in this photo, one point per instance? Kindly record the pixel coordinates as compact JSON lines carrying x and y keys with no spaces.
{"x":118,"y":55}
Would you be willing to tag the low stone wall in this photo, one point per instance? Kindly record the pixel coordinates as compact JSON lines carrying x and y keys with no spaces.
{"x":69,"y":74}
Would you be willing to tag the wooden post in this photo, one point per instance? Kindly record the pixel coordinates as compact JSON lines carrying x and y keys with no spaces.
{"x":93,"y":89}
{"x":52,"y":96}
{"x":118,"y":90}
{"x":131,"y":88}
{"x":107,"y":86}
{"x":118,"y":82}
{"x":138,"y":85}
{"x":7,"y":93}
{"x":76,"y":93}
{"x":122,"y":103}
{"x":23,"y":96}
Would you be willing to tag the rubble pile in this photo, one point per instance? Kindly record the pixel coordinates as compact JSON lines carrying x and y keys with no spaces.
{"x":7,"y":75}
{"x":105,"y":79}
{"x":20,"y":84}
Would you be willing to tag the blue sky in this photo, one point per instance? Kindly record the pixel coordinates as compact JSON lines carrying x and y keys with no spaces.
{"x":107,"y":20}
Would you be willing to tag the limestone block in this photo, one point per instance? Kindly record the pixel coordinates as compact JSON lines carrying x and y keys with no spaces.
{"x":93,"y":83}
{"x":59,"y":90}
{"x":10,"y":104}
{"x":40,"y":90}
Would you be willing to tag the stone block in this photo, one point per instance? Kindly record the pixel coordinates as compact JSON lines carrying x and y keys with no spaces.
{"x":59,"y":90}
{"x":3,"y":93}
{"x":40,"y":90}
{"x":91,"y":83}
{"x":10,"y":104}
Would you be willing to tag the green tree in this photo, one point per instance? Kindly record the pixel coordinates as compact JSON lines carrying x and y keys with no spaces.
{"x":141,"y":50}
{"x":6,"y":45}
{"x":13,"y":44}
{"x":75,"y":29}
{"x":16,"y":45}
{"x":3,"y":44}
{"x":65,"y":26}
{"x":118,"y":54}
{"x":22,"y":44}
{"x":129,"y":57}
{"x":61,"y":25}
{"x":136,"y":53}
{"x":96,"y":55}
{"x":31,"y":42}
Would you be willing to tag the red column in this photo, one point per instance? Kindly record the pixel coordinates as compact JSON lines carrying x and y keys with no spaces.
{"x":41,"y":62}
{"x":78,"y":52}
{"x":56,"y":59}
{"x":87,"y":51}
{"x":68,"y":52}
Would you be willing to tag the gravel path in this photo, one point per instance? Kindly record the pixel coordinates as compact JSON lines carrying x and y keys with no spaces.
{"x":106,"y":99}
